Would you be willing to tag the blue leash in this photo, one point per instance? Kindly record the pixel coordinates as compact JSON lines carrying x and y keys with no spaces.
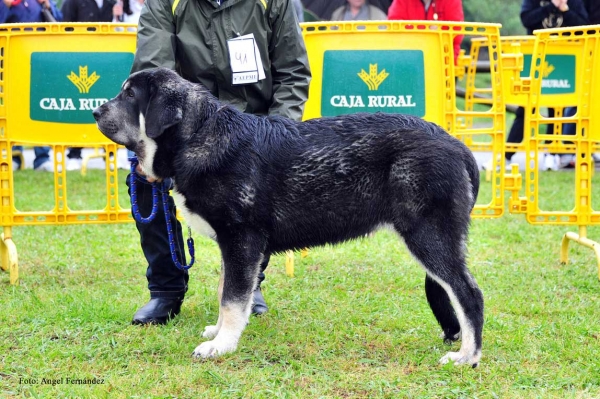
{"x":165,"y":197}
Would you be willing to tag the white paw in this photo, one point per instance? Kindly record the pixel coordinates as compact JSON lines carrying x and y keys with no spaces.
{"x":213,"y":348}
{"x":459,"y":358}
{"x":210,"y":332}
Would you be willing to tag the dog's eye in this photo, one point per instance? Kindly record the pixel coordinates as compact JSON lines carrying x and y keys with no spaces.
{"x":129,"y":93}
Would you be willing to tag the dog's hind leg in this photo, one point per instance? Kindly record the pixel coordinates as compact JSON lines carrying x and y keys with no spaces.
{"x":442,"y":310}
{"x":441,"y":251}
{"x":241,"y":261}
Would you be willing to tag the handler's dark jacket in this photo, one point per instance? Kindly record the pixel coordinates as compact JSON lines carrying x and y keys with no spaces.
{"x":190,"y":37}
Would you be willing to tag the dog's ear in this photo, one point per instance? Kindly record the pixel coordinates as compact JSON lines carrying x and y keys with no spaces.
{"x":163,"y":111}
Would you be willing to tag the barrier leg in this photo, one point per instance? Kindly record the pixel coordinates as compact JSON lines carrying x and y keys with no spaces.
{"x":3,"y":256}
{"x":86,"y":159}
{"x":289,"y":263}
{"x":19,"y":154}
{"x":564,"y":248}
{"x":8,"y":252}
{"x":581,"y":239}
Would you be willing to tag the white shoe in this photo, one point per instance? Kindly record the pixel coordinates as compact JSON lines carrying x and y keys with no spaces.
{"x":551,"y":162}
{"x":487,"y":166}
{"x":47,"y":166}
{"x":507,"y":166}
{"x":566,"y":161}
{"x":74,"y":163}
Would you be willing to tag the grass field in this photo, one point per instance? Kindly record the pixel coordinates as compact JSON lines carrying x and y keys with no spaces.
{"x":352,"y":323}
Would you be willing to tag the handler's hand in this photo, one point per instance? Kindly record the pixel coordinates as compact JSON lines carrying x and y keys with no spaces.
{"x":561,"y":5}
{"x":117,"y":10}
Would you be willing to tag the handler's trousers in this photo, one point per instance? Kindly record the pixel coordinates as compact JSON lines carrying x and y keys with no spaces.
{"x":165,"y":280}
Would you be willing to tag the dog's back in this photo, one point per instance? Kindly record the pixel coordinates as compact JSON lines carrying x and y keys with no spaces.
{"x":331,"y":179}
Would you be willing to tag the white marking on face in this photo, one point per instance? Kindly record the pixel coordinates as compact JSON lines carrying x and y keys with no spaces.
{"x":149,"y":150}
{"x":194,"y":220}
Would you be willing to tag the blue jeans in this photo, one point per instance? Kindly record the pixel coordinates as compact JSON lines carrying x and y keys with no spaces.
{"x":569,"y":128}
{"x":42,"y":154}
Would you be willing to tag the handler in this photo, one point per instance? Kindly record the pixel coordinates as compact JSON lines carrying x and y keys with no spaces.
{"x":202,"y":40}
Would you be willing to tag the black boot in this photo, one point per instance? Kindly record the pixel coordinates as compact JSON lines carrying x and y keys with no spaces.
{"x":158,"y":311}
{"x":163,"y":277}
{"x":259,"y":306}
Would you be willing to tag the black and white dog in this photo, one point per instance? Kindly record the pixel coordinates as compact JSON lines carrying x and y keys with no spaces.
{"x":263,"y":185}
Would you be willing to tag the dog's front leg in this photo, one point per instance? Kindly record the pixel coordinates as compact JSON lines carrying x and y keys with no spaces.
{"x":211,"y":331}
{"x":239,"y":274}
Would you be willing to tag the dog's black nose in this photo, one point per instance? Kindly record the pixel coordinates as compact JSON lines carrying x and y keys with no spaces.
{"x":97,"y":113}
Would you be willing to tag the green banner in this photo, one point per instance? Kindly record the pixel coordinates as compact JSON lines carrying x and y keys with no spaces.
{"x":558,"y":73}
{"x":391,"y":81}
{"x":66,"y":87}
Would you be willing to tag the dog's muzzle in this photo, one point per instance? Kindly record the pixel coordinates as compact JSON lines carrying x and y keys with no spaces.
{"x":97,"y":113}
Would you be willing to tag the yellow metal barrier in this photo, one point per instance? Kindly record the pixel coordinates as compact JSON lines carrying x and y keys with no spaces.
{"x":556,"y":75}
{"x":52,"y":77}
{"x":553,"y":68}
{"x":404,"y":67}
{"x":357,"y":67}
{"x":582,"y":87}
{"x":50,"y":83}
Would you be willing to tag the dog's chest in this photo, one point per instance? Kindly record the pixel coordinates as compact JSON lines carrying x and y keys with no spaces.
{"x":195,"y":221}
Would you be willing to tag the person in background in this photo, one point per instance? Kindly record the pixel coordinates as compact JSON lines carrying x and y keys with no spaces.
{"x":127,"y":11}
{"x":193,"y":38}
{"x":358,"y":10}
{"x":431,"y":10}
{"x":536,"y":14}
{"x":546,"y":14}
{"x":23,"y":11}
{"x":85,"y":11}
{"x":593,"y":9}
{"x":320,"y":10}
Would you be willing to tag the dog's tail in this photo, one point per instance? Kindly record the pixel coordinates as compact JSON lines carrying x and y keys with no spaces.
{"x":473,"y":171}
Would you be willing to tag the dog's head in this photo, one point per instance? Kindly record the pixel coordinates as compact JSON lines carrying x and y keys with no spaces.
{"x":149,"y":103}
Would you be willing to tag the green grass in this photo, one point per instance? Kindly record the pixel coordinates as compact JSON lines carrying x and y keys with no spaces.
{"x":352,"y":323}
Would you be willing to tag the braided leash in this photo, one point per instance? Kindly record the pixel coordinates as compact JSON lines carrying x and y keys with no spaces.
{"x":164,"y":189}
{"x":133,"y":176}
